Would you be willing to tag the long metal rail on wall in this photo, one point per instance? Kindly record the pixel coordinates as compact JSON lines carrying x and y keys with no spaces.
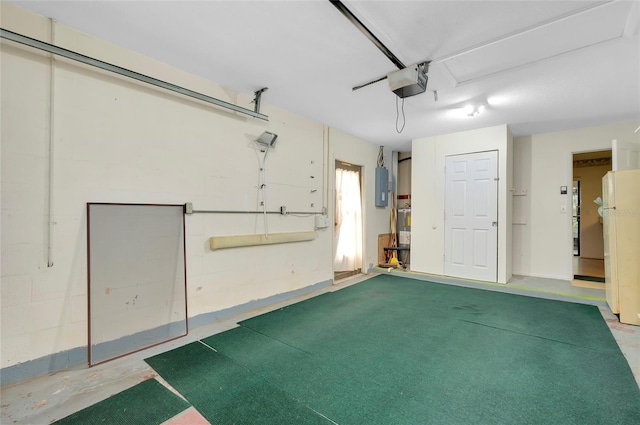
{"x":87,"y":60}
{"x":257,"y":212}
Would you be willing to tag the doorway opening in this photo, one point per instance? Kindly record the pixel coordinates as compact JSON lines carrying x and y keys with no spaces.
{"x":348,"y":221}
{"x":587,"y":227}
{"x":576,"y":217}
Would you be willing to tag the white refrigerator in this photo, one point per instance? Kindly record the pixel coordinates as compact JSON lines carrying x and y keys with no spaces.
{"x":621,"y":221}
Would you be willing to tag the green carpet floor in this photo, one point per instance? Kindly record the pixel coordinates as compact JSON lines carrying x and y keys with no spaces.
{"x":147,"y":403}
{"x":225,"y":392}
{"x":393,"y":350}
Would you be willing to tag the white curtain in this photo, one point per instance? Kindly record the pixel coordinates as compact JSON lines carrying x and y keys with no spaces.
{"x":348,"y":221}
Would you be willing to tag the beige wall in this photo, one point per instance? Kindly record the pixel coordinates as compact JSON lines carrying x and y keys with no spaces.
{"x":540,"y":238}
{"x":543,"y":241}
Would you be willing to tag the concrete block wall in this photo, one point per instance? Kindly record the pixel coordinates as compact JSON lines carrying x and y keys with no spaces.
{"x":116,"y":140}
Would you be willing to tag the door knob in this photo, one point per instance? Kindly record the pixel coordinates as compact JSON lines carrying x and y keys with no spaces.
{"x":494,"y":224}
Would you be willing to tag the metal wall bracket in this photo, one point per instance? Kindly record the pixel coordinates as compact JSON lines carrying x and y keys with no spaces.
{"x":257,"y":98}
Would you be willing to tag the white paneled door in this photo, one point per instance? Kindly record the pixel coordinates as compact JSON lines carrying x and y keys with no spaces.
{"x":625,"y":155}
{"x":471,"y":216}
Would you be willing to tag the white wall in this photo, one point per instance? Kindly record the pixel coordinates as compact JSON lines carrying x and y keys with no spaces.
{"x":428,"y":195}
{"x":542,"y":163}
{"x":116,"y":140}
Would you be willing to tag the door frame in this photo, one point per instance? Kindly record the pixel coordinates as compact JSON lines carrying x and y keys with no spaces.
{"x":579,"y":195}
{"x":361,"y":169}
{"x":568,"y":204}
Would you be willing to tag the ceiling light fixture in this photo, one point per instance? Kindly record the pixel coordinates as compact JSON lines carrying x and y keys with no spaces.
{"x":473,"y":110}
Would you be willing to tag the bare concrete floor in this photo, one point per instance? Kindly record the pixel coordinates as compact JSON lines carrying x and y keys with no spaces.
{"x":45,"y":399}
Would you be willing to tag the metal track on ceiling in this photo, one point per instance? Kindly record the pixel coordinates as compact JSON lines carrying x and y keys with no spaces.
{"x":367,"y":32}
{"x":87,"y":60}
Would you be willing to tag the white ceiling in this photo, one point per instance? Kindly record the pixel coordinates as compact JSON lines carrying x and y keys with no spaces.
{"x":538,"y":66}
